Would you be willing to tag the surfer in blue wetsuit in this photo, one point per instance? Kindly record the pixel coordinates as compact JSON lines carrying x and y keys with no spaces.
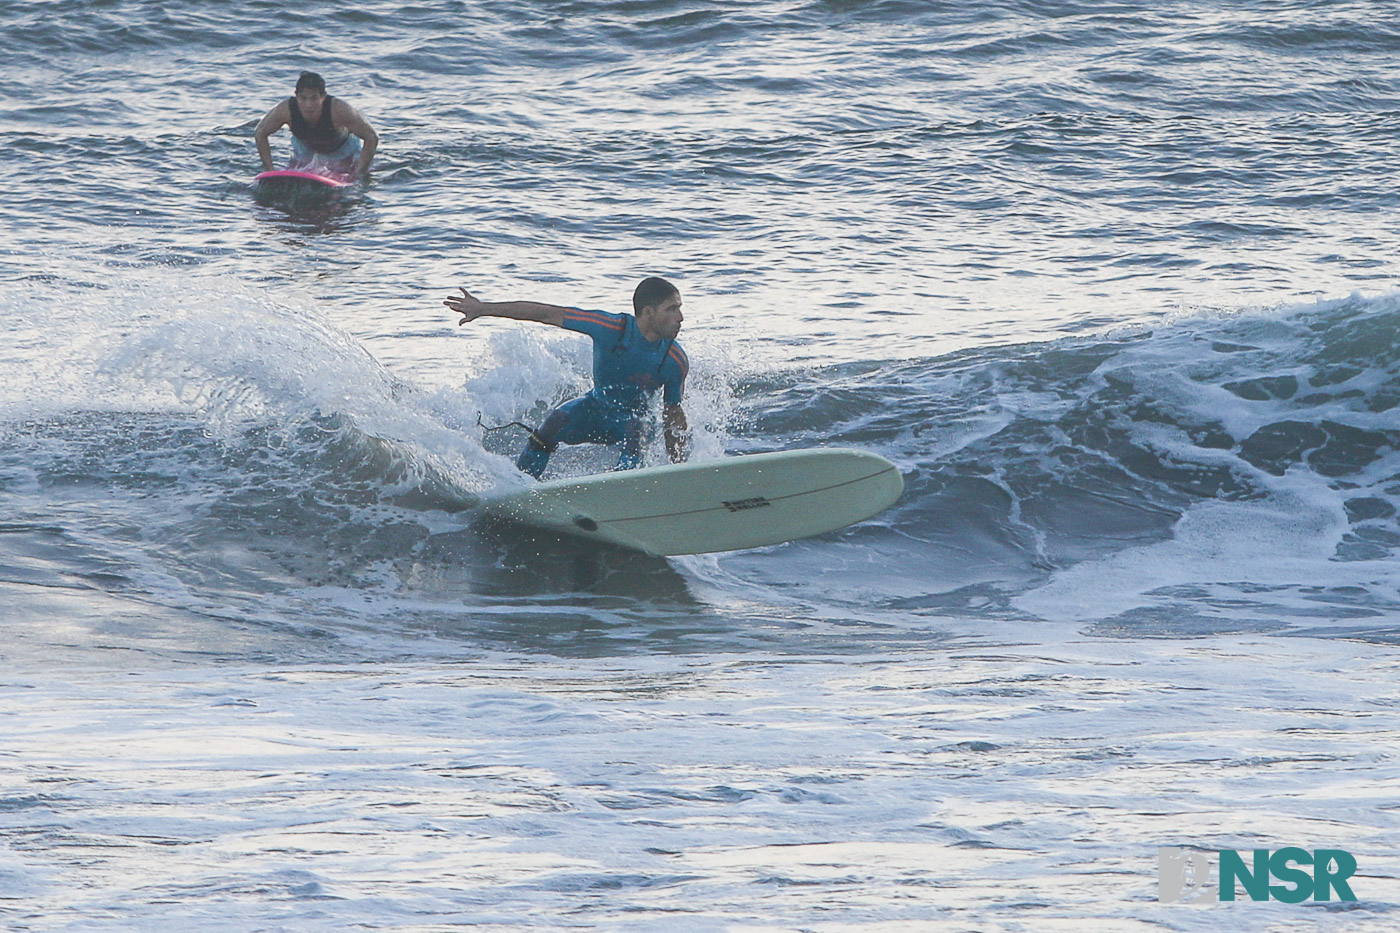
{"x":325,"y":130}
{"x":633,"y":356}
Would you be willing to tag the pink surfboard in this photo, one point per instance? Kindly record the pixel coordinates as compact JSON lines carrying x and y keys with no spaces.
{"x":294,"y":176}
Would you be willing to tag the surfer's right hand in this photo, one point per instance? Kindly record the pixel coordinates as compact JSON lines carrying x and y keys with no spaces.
{"x":467,"y":306}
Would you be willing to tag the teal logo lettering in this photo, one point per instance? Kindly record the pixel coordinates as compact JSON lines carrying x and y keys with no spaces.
{"x":1290,"y":875}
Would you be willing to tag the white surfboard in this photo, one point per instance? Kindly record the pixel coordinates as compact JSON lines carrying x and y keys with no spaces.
{"x":720,"y":505}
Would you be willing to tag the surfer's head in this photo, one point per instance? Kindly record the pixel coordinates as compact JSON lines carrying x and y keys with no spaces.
{"x":657,"y":304}
{"x":311,"y":94}
{"x":311,"y":81}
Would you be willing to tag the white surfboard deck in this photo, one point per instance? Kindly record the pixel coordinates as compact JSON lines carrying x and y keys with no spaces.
{"x":720,"y":505}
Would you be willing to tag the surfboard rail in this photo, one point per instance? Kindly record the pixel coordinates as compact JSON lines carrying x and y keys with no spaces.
{"x":288,"y":175}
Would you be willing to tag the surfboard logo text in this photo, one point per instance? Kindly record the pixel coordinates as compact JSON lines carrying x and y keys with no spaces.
{"x":739,"y":505}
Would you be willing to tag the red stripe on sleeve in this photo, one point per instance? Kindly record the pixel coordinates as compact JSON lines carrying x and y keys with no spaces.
{"x":592,"y":318}
{"x":681,"y":359}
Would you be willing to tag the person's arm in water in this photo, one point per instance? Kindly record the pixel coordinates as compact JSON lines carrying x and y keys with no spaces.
{"x":676,"y":431}
{"x":342,"y":114}
{"x":276,"y":118}
{"x":471,"y":308}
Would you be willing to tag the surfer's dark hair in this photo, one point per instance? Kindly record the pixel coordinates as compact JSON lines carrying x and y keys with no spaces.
{"x":311,"y":81}
{"x":652,"y":292}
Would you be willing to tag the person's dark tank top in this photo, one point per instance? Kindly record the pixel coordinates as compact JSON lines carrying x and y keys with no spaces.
{"x":322,"y":137}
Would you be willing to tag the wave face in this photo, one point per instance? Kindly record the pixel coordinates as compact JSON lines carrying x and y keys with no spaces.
{"x":1216,"y":471}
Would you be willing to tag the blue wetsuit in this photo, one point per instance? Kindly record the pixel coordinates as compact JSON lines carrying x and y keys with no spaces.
{"x":627,"y":371}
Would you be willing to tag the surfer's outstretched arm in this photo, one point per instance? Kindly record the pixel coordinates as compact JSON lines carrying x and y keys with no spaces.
{"x":472,"y":308}
{"x":676,"y":431}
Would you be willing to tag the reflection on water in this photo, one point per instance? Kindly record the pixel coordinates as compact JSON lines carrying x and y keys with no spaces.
{"x":494,"y":558}
{"x":307,"y":208}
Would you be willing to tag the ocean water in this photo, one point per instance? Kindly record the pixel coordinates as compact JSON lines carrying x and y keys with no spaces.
{"x":1114,"y":284}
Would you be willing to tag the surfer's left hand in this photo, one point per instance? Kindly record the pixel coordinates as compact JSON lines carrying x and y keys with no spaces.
{"x":467,"y":306}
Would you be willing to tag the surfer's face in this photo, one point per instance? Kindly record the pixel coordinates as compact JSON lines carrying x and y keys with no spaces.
{"x":664,"y":320}
{"x":309,"y":103}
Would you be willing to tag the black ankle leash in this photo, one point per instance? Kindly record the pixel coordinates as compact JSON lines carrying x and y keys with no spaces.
{"x":511,"y":424}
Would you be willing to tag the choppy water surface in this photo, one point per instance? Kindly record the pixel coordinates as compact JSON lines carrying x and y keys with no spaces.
{"x":1114,"y":285}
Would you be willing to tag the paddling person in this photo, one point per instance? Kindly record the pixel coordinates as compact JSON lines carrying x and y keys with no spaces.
{"x":325,"y":130}
{"x":633,"y":356}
